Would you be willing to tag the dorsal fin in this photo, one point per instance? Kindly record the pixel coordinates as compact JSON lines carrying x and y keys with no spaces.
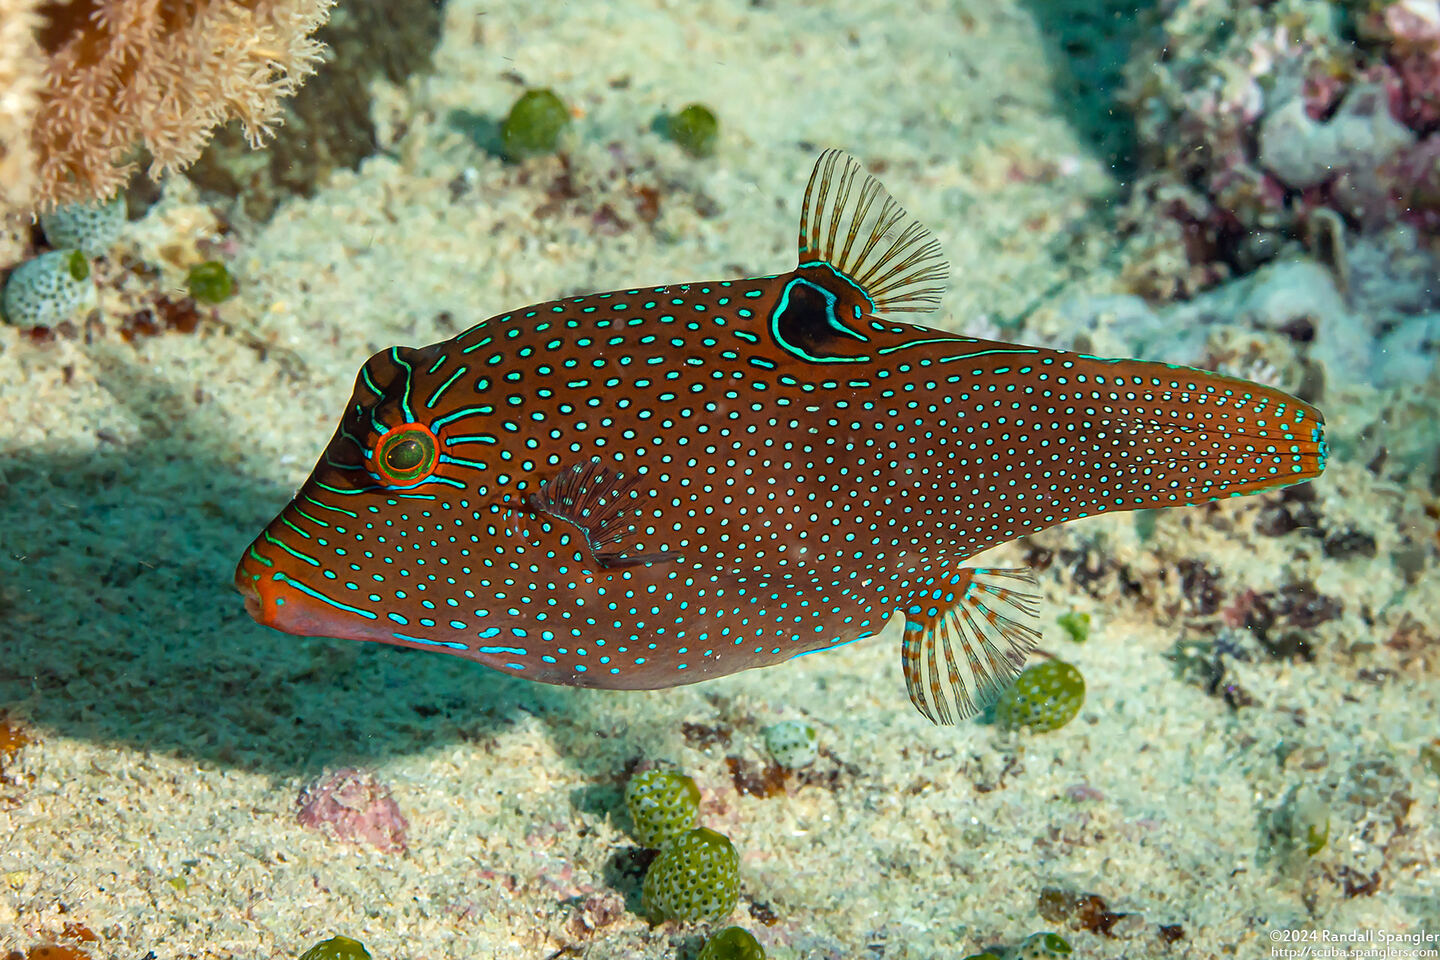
{"x":860,"y":231}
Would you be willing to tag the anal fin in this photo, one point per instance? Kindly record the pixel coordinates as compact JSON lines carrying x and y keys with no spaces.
{"x":967,"y":634}
{"x":606,"y":506}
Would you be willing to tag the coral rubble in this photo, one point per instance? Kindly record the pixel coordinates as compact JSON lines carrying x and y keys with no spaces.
{"x":1263,"y":127}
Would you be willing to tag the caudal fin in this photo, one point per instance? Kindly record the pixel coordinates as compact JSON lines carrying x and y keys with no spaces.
{"x":1155,"y":435}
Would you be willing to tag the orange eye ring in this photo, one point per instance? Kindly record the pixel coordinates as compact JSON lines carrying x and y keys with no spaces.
{"x":406,"y":455}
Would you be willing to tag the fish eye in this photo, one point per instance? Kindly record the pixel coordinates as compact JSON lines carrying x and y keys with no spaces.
{"x":405,"y":454}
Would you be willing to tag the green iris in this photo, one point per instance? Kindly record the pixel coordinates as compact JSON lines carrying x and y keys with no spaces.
{"x":407,"y":456}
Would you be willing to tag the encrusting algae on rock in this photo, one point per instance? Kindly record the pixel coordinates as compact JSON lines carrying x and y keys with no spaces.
{"x":52,"y":287}
{"x":651,"y":487}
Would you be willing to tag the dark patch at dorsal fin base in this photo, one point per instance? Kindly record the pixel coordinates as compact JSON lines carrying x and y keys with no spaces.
{"x":980,"y":612}
{"x":605,"y":506}
{"x":809,"y":318}
{"x":862,"y":233}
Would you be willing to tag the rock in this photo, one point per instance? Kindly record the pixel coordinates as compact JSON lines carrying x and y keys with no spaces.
{"x":1356,"y":141}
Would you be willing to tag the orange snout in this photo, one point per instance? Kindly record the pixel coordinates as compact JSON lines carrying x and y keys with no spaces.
{"x":252,"y":579}
{"x":278,"y":597}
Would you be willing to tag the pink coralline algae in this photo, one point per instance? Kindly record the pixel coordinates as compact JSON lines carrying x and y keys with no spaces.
{"x":1408,"y":32}
{"x":353,"y":806}
{"x":1255,"y":119}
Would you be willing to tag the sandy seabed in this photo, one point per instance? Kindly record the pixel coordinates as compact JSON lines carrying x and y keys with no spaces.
{"x":156,"y":803}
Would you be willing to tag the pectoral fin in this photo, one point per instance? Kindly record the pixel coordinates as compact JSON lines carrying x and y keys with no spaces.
{"x":609,"y":509}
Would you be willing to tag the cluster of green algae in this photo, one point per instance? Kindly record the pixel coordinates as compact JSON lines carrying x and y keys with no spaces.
{"x":59,"y":285}
{"x":538,"y":118}
{"x":696,"y":875}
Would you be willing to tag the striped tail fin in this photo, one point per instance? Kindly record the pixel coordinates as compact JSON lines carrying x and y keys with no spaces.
{"x":1155,"y":435}
{"x":1090,"y":436}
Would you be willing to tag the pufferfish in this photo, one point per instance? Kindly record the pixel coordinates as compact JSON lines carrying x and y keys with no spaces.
{"x":657,"y":486}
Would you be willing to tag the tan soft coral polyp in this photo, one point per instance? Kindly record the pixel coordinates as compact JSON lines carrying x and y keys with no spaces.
{"x":85,"y":83}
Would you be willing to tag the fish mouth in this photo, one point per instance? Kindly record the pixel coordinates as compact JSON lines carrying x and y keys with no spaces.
{"x":251,"y":595}
{"x":249,"y":578}
{"x":276,"y":600}
{"x":268,"y":601}
{"x":253,"y":606}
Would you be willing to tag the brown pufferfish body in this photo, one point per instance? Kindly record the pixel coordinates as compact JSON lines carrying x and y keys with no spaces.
{"x":657,"y":486}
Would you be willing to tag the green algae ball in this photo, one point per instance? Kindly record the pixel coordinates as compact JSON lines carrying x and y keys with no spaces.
{"x":662,"y":804}
{"x":210,"y":282}
{"x":533,"y":125}
{"x":92,"y":227}
{"x":696,"y":877}
{"x":337,"y":948}
{"x":792,"y":743}
{"x":1076,"y":624}
{"x":695,"y":130}
{"x":49,"y":289}
{"x":732,"y":943}
{"x":1045,"y":697}
{"x":1040,"y":946}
